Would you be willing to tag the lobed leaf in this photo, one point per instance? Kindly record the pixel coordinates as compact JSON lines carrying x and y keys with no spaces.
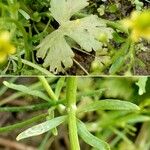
{"x":91,"y":139}
{"x":109,"y":104}
{"x":62,"y":10}
{"x":41,"y":128}
{"x":57,"y":52}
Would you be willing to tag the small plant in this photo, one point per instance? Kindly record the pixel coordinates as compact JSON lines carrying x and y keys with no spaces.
{"x":94,"y":37}
{"x":85,"y":32}
{"x":68,"y":103}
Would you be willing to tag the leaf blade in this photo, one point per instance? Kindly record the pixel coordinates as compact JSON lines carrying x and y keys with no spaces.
{"x":109,"y":104}
{"x":41,"y":128}
{"x":27,"y":90}
{"x":91,"y":139}
{"x":67,"y":8}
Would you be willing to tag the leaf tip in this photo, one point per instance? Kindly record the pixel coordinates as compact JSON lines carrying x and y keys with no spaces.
{"x":18,"y":138}
{"x":5,"y":83}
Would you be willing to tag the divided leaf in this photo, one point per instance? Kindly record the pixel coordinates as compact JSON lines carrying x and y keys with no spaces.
{"x":91,"y":139}
{"x":67,"y":8}
{"x":109,"y":104}
{"x":41,"y":128}
{"x":55,"y":49}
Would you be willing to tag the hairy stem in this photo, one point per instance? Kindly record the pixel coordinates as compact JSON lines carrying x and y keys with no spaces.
{"x":28,"y":108}
{"x":71,"y":107}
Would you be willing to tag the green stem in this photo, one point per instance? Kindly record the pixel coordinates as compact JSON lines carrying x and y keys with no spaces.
{"x":22,"y":124}
{"x":71,"y":104}
{"x":47,"y":88}
{"x":131,"y":55}
{"x":51,"y":95}
{"x":27,"y":108}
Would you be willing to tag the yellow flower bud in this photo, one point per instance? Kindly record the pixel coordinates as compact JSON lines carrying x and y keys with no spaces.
{"x":139,"y":24}
{"x":6,"y":48}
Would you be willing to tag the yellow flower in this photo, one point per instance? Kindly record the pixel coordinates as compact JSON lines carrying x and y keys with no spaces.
{"x":139,"y":23}
{"x":6,"y":48}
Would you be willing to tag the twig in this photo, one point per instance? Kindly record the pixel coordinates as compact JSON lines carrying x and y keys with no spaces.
{"x":16,"y":145}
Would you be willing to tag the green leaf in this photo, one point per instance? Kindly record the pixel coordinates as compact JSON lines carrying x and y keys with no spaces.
{"x":27,"y":90}
{"x":41,"y":128}
{"x":117,"y":38}
{"x":55,"y":49}
{"x":117,"y":65}
{"x":58,"y":52}
{"x":26,"y":16}
{"x":62,"y":10}
{"x":91,"y":139}
{"x":109,"y":104}
{"x":142,"y":85}
{"x":134,"y":118}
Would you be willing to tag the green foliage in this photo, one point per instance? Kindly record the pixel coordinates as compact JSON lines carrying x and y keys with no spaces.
{"x":49,"y":37}
{"x":41,"y":128}
{"x":142,"y":85}
{"x":90,"y":139}
{"x":26,"y":90}
{"x":138,"y":4}
{"x":91,"y":111}
{"x":109,"y":104}
{"x":84,"y":31}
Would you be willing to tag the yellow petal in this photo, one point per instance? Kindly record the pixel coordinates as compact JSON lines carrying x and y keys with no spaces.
{"x":3,"y":57}
{"x":11,"y":49}
{"x":135,"y":35}
{"x":5,"y":36}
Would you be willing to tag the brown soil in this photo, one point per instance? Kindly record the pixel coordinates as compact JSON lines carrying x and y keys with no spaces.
{"x":145,"y":57}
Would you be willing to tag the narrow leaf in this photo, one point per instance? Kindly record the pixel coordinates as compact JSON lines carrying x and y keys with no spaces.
{"x":109,"y":104}
{"x":41,"y":128}
{"x":117,"y":65}
{"x":91,"y":139}
{"x":27,"y":90}
{"x":134,"y":118}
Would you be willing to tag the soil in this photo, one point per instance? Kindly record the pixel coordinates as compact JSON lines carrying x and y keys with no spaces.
{"x":84,"y":60}
{"x":144,"y":57}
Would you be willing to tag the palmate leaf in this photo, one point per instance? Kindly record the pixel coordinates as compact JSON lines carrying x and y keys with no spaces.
{"x":55,"y":50}
{"x":62,"y":10}
{"x":58,"y":52}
